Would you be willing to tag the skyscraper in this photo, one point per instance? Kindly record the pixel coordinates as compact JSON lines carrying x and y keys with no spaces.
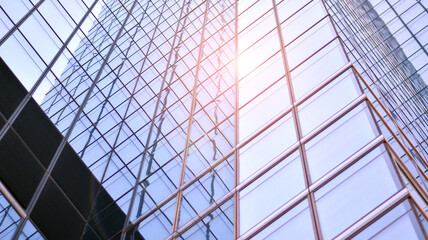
{"x":215,"y":119}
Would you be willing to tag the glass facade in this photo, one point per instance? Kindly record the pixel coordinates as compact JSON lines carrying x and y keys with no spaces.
{"x":220,"y":119}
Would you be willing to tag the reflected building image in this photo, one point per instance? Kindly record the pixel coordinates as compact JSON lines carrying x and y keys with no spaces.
{"x":261,"y":119}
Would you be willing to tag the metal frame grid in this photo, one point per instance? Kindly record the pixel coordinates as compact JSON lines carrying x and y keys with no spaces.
{"x":150,"y":99}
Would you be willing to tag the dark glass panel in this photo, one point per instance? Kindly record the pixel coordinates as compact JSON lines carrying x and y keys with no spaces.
{"x":55,"y":216}
{"x":38,"y":132}
{"x":20,"y":170}
{"x":11,"y":90}
{"x":76,"y":180}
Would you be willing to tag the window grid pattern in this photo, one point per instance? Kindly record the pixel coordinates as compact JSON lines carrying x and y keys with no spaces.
{"x":231,"y":120}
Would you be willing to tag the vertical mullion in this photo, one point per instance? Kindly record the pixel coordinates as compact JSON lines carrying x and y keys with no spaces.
{"x":123,"y":119}
{"x":105,"y":102}
{"x":349,"y":60}
{"x":140,"y":171}
{"x":192,"y":111}
{"x":302,"y":151}
{"x":236,"y":153}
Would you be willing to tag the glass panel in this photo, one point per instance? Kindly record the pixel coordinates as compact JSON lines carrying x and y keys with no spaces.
{"x":399,"y":223}
{"x":339,"y":141}
{"x":17,"y":50}
{"x":324,"y":104}
{"x":287,"y":8}
{"x":207,"y":190}
{"x":251,"y":58}
{"x":318,"y":68}
{"x":9,"y":219}
{"x":309,"y":43}
{"x":257,"y":9}
{"x":30,"y":232}
{"x":266,"y":146}
{"x":261,"y":79}
{"x":217,"y":225}
{"x":271,"y":191}
{"x":156,"y":184}
{"x":355,"y":192}
{"x":157,"y":226}
{"x":294,"y":224}
{"x":257,"y":30}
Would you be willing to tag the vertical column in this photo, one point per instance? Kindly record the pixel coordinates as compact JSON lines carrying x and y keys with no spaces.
{"x":236,"y":227}
{"x":295,"y":113}
{"x":155,"y":136}
{"x":193,"y":106}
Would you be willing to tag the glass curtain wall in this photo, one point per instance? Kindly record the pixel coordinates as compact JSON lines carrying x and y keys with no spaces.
{"x":386,"y":41}
{"x":223,"y":119}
